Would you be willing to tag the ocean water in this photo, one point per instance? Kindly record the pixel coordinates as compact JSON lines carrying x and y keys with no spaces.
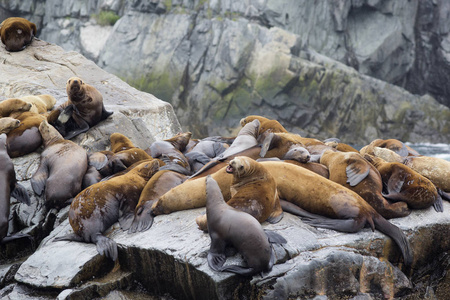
{"x":436,"y":150}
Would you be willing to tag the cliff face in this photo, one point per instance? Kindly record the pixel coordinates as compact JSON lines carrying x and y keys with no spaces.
{"x":322,"y":68}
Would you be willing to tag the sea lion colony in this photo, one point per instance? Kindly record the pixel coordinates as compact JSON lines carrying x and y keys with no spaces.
{"x":260,"y":173}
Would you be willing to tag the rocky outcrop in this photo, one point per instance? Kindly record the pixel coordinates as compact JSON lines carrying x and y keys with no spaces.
{"x":217,"y":61}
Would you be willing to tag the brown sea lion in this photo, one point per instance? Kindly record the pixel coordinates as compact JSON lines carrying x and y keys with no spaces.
{"x":26,"y":138}
{"x":13,"y":107}
{"x":125,"y":153}
{"x":83,"y":110}
{"x":401,"y":183}
{"x":230,"y":226}
{"x":253,"y":190}
{"x":394,"y":145}
{"x":8,"y":187}
{"x":99,"y":206}
{"x":169,"y":151}
{"x":284,"y":146}
{"x":17,"y":33}
{"x":352,"y":171}
{"x":267,"y":125}
{"x":7,"y":124}
{"x":336,"y":144}
{"x":61,"y":170}
{"x":158,"y":185}
{"x":434,"y":168}
{"x":40,"y":103}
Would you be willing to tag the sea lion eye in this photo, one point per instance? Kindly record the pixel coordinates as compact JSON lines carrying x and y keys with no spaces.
{"x":241,"y":167}
{"x":69,"y":81}
{"x":81,"y":82}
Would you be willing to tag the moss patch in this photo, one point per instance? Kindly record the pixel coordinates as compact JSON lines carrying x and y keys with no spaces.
{"x":106,"y":18}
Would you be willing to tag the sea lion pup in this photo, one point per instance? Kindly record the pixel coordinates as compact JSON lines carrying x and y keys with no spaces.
{"x":83,"y":110}
{"x":230,"y":226}
{"x":401,"y":183}
{"x":158,"y":185}
{"x":9,"y":187}
{"x":17,"y":33}
{"x":40,"y":103}
{"x":26,"y":138}
{"x":170,"y":151}
{"x":7,"y":124}
{"x":125,"y":153}
{"x":61,"y":170}
{"x":253,"y":190}
{"x":13,"y":107}
{"x":99,"y":206}
{"x":352,"y":171}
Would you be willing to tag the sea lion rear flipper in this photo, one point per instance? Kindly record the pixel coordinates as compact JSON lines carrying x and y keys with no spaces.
{"x":141,"y":222}
{"x":125,"y":220}
{"x":342,"y":225}
{"x":296,"y":210}
{"x":105,"y":246}
{"x":244,"y":271}
{"x":69,"y":237}
{"x":275,"y":217}
{"x":438,"y":205}
{"x":105,"y":114}
{"x":83,"y":127}
{"x":20,"y":193}
{"x":39,"y":179}
{"x":356,"y":172}
{"x":176,"y":168}
{"x":216,"y":260}
{"x":444,"y":195}
{"x":15,"y":236}
{"x":274,"y":237}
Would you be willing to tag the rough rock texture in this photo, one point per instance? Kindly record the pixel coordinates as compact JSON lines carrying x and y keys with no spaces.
{"x":219,"y":60}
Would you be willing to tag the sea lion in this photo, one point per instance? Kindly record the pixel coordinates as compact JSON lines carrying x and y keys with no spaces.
{"x":435,"y":169}
{"x":61,"y":170}
{"x":209,"y":148}
{"x":7,"y":124}
{"x":230,"y":226}
{"x":8,"y":187}
{"x":394,"y":145}
{"x":83,"y":110}
{"x":17,"y":33}
{"x":352,"y":171}
{"x":401,"y":183}
{"x":266,"y":125}
{"x":125,"y":153}
{"x":158,"y":185}
{"x":13,"y":107}
{"x":284,"y":146}
{"x":253,"y":190}
{"x":197,"y":160}
{"x":99,"y":206}
{"x":169,"y":151}
{"x":40,"y":103}
{"x":26,"y":138}
{"x":336,"y":144}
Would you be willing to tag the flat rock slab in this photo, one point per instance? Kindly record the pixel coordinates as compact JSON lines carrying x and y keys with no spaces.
{"x":171,"y":258}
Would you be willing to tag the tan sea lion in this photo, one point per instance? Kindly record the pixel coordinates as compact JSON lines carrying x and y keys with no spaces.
{"x":17,"y":33}
{"x":61,"y":170}
{"x":26,"y":138}
{"x":13,"y":107}
{"x":401,"y":183}
{"x":352,"y":171}
{"x":434,"y":168}
{"x":7,"y":124}
{"x":8,"y":187}
{"x":336,"y":144}
{"x":83,"y":110}
{"x":266,"y":125}
{"x":394,"y":145}
{"x":253,"y":190}
{"x":158,"y":185}
{"x":230,"y":226}
{"x":99,"y":206}
{"x":284,"y":146}
{"x":40,"y":103}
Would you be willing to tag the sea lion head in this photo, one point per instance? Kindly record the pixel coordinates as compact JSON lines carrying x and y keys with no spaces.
{"x":240,"y":166}
{"x":3,"y":137}
{"x":387,"y":155}
{"x":120,"y":142}
{"x":298,"y":153}
{"x":180,"y":140}
{"x":49,"y":133}
{"x":147,"y":169}
{"x":16,"y":105}
{"x":7,"y":124}
{"x":75,"y":89}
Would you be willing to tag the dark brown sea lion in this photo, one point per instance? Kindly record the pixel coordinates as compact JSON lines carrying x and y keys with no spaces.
{"x":125,"y":153}
{"x":17,"y":33}
{"x":230,"y":226}
{"x":99,"y":206}
{"x":7,"y":124}
{"x":253,"y":190}
{"x":401,"y":183}
{"x":13,"y":107}
{"x":83,"y":110}
{"x":158,"y":185}
{"x":8,"y":187}
{"x":26,"y":138}
{"x":61,"y":170}
{"x":352,"y":171}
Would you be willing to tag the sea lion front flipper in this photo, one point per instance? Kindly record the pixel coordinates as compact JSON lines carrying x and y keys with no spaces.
{"x":16,"y":236}
{"x":438,"y":205}
{"x":274,"y":237}
{"x":394,"y":186}
{"x":343,"y":225}
{"x":275,"y":217}
{"x":105,"y":246}
{"x":244,"y":271}
{"x":216,"y":260}
{"x":105,"y":113}
{"x":20,"y":193}
{"x":444,"y":195}
{"x":125,"y":220}
{"x":39,"y":179}
{"x":356,"y":172}
{"x":270,"y":141}
{"x":142,"y":221}
{"x":83,"y":127}
{"x":69,"y":237}
{"x":66,"y":113}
